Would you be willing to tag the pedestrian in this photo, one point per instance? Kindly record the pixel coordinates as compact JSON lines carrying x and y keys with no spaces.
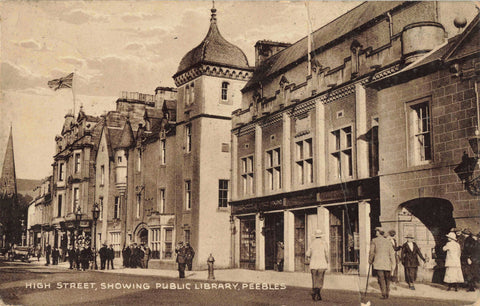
{"x":396,"y":248}
{"x":48,"y":252}
{"x":84,"y":258}
{"x":409,"y":256}
{"x":382,"y":257}
{"x":280,"y":256}
{"x":317,"y":254}
{"x":71,"y":257}
{"x":467,"y":260}
{"x":146,"y":257}
{"x":453,"y":272}
{"x":55,"y":255}
{"x":110,"y":257}
{"x":190,"y":253}
{"x":39,"y":252}
{"x":78,"y":258}
{"x":126,"y":252}
{"x":476,"y":258}
{"x":134,"y":256}
{"x":103,"y":256}
{"x":181,"y":259}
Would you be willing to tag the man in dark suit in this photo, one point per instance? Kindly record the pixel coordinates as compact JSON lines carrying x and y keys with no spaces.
{"x":382,"y":257}
{"x":110,"y":257}
{"x":48,"y":252}
{"x":181,"y":259}
{"x":103,"y":256}
{"x":409,"y":256}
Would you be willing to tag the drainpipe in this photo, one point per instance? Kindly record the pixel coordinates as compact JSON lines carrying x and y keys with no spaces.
{"x":390,"y":24}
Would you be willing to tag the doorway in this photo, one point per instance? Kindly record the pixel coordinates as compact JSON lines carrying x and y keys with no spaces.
{"x":273,"y":231}
{"x":143,"y":235}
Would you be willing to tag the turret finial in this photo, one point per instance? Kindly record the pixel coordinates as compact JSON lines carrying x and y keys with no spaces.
{"x":214,"y":11}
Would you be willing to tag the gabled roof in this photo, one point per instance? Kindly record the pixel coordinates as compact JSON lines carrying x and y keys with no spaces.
{"x":214,"y":49}
{"x":126,"y":138}
{"x":330,"y":32}
{"x":468,"y":43}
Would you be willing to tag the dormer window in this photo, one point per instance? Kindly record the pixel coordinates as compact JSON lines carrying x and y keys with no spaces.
{"x":225,"y":91}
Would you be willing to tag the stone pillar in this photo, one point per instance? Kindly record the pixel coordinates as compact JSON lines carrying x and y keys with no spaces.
{"x":289,"y":241}
{"x":234,"y":162}
{"x":364,"y":235}
{"x":323,"y":224}
{"x":260,"y":243}
{"x":320,"y":149}
{"x":361,"y":129}
{"x":258,"y":161}
{"x":236,"y":251}
{"x":286,"y":158}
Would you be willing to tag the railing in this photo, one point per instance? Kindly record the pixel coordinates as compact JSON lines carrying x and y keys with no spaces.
{"x":129,"y":95}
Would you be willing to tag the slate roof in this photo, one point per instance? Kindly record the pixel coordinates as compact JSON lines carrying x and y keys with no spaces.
{"x":126,"y":138}
{"x":214,"y":49}
{"x":330,"y":32}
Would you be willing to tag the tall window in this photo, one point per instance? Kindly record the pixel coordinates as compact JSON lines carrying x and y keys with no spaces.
{"x":187,"y":95}
{"x":139,"y":160}
{"x":188,"y":195}
{"x":100,"y":217}
{"x":76,"y":198}
{"x":168,"y":250}
{"x":161,"y":200}
{"x":304,"y":161}
{"x":342,"y":152}
{"x":186,"y":234}
{"x":77,"y":163}
{"x":102,"y":175}
{"x":139,"y":200}
{"x":61,"y":172}
{"x":59,"y":205}
{"x":115,"y":239}
{"x":188,"y":137}
{"x":222,"y":193}
{"x":192,"y":92}
{"x":225,"y":91}
{"x":420,"y":144}
{"x":116,"y":208}
{"x":163,"y":149}
{"x":119,"y":159}
{"x":273,"y":169}
{"x":247,"y":175}
{"x":156,"y":243}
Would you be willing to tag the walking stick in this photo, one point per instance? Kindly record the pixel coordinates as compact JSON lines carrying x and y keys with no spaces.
{"x":368,"y":276}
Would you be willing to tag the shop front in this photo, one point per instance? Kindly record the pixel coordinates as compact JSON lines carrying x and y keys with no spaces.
{"x":278,"y":230}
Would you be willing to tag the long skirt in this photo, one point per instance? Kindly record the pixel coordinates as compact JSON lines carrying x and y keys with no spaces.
{"x":410,"y":274}
{"x":317,"y":277}
{"x":453,"y":275}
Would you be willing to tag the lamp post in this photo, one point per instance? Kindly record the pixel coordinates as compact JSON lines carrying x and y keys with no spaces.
{"x":78,"y":217}
{"x":95,"y":215}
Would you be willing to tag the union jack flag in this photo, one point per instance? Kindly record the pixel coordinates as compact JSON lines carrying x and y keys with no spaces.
{"x":65,"y":82}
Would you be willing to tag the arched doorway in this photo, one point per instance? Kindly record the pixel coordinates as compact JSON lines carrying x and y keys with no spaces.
{"x":143,"y":236}
{"x":428,"y":220}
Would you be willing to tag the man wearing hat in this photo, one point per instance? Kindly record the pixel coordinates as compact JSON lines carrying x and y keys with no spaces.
{"x":103,"y":256}
{"x":409,"y":256}
{"x":318,"y":255}
{"x":382,"y":257}
{"x":181,"y":259}
{"x":467,"y":260}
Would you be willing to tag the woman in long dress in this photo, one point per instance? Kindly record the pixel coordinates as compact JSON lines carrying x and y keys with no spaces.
{"x":318,"y":263}
{"x":453,"y":272}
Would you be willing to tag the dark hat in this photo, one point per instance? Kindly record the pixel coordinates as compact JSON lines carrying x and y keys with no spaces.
{"x":392,"y":232}
{"x":409,"y":236}
{"x":381,"y":230}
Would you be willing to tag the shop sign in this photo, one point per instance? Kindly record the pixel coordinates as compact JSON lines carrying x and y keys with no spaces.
{"x":301,"y":199}
{"x":271,"y":204}
{"x":244,"y":208}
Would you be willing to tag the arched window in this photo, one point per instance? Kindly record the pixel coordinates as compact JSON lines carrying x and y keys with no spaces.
{"x":225,"y":91}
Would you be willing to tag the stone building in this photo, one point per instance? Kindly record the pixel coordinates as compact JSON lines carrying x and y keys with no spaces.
{"x":429,"y":178}
{"x":209,"y":79}
{"x":306,"y":150}
{"x":39,"y":216}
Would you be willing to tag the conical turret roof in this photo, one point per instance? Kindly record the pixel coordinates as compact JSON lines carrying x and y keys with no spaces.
{"x":126,"y":138}
{"x":214,"y":49}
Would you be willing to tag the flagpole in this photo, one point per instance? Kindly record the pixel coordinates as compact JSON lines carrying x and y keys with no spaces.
{"x":309,"y":39}
{"x":73,"y":91}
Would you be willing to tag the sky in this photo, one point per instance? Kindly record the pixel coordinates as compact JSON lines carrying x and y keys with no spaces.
{"x":115,"y":46}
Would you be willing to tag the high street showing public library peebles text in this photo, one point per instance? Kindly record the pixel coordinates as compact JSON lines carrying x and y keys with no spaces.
{"x":281,"y":153}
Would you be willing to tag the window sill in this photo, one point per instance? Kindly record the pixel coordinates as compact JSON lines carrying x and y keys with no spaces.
{"x":223,"y":209}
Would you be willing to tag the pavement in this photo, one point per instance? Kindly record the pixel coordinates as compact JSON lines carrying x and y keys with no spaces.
{"x":333,"y":281}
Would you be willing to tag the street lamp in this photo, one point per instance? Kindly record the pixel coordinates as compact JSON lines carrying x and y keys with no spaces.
{"x":78,"y":217}
{"x":95,"y":215}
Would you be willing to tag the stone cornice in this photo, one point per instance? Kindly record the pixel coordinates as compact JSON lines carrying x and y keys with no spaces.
{"x":213,"y":70}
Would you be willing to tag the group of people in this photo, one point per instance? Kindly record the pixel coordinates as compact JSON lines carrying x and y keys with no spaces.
{"x":462,"y":261}
{"x":185,"y":254}
{"x":107,"y":255}
{"x":136,"y":256}
{"x":81,"y":258}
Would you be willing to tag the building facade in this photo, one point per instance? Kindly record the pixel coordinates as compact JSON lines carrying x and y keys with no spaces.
{"x":39,"y":226}
{"x":305,"y":142}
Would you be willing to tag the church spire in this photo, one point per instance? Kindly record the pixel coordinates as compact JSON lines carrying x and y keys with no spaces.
{"x":8,"y":180}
